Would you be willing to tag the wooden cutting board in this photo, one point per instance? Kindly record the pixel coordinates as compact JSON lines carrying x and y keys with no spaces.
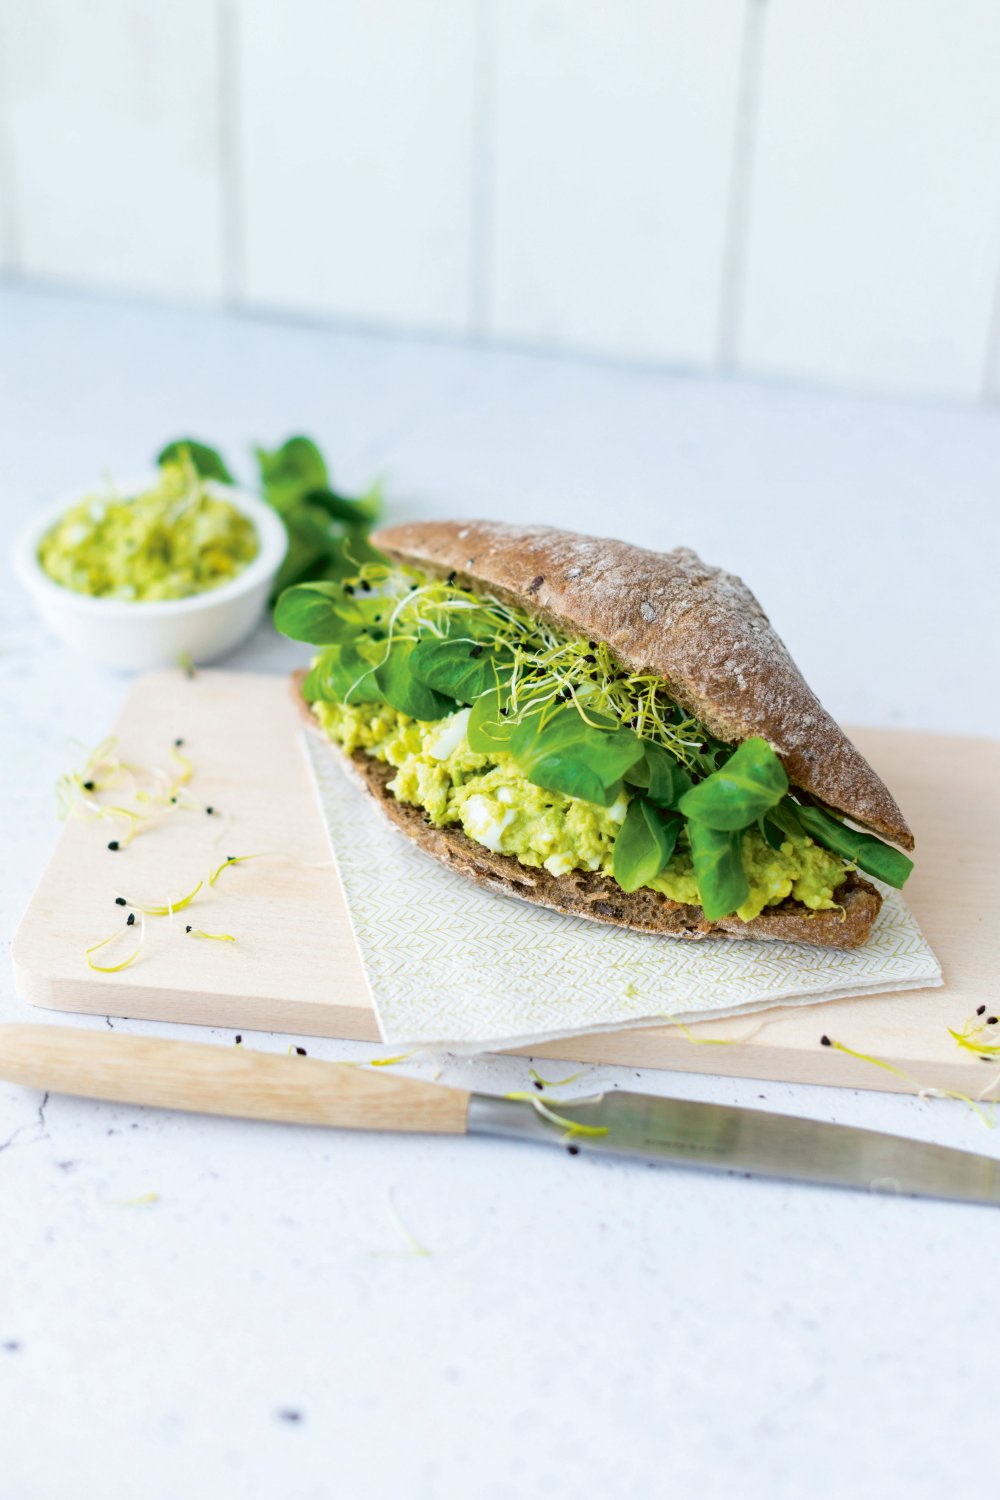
{"x":294,"y":966}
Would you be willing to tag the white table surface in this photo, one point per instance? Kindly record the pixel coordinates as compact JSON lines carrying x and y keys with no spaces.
{"x":262,"y":1329}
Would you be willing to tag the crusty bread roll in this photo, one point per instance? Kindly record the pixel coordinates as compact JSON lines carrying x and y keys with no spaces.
{"x":705,"y":634}
{"x":698,"y":628}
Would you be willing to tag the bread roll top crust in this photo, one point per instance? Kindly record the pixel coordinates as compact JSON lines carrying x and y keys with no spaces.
{"x":698,"y":628}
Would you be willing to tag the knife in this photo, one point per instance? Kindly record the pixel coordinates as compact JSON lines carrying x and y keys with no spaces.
{"x":238,"y":1082}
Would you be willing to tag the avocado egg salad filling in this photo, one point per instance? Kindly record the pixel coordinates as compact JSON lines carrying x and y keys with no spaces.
{"x":174,"y":539}
{"x":542,"y":746}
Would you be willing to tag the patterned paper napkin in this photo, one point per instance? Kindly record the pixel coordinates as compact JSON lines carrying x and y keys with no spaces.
{"x":450,"y":964}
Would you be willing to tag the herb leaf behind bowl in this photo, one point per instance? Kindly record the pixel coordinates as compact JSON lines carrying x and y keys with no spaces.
{"x":327,"y":531}
{"x":289,"y":472}
{"x":208,"y":463}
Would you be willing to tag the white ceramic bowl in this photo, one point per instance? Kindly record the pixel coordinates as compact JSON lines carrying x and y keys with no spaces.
{"x":134,"y":636}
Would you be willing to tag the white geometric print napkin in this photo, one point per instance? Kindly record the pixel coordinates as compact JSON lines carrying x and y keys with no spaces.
{"x":452,"y":965}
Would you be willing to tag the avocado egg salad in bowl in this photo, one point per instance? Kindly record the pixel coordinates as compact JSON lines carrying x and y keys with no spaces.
{"x":171,"y":567}
{"x":172,"y":539}
{"x":611,"y":732}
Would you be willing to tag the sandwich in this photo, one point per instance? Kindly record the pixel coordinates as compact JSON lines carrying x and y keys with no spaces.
{"x":614,"y":733}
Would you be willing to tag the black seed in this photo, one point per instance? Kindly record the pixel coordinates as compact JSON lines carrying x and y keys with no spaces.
{"x":301,"y":1052}
{"x":366,"y":586}
{"x":476,"y":651}
{"x":120,"y":901}
{"x":991,"y":1020}
{"x":981,"y":1010}
{"x":114,"y":844}
{"x":88,"y":786}
{"x":210,"y":810}
{"x":825,"y":1041}
{"x":592,"y":645}
{"x":451,"y":578}
{"x":376,"y":619}
{"x":230,"y":859}
{"x":590,"y":657}
{"x":538,"y":1084}
{"x":178,"y":744}
{"x":188,"y":928}
{"x":130,"y":921}
{"x":239,"y":1041}
{"x":573,"y":1150}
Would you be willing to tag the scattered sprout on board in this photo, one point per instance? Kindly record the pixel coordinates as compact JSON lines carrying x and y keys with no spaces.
{"x":923,"y":1091}
{"x":152,"y":791}
{"x":170,"y":908}
{"x":104,"y":943}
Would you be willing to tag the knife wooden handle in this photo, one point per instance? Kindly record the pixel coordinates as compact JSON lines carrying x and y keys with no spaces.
{"x":218,"y":1080}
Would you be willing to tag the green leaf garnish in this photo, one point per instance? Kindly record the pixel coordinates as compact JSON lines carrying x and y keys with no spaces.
{"x":290,"y":472}
{"x":318,"y":613}
{"x":364,"y":509}
{"x":660,"y":775}
{"x":785,"y":816}
{"x":207,"y":462}
{"x":310,"y":550}
{"x":489,"y":729}
{"x":746,"y":786}
{"x":862,"y":849}
{"x":771,"y":833}
{"x":405,"y":690}
{"x":643,"y":845}
{"x":461,"y":668}
{"x":341,"y":674}
{"x":718,"y":869}
{"x":566,"y":754}
{"x":327,"y":531}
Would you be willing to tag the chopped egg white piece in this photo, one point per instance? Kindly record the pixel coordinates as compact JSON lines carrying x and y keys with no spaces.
{"x":446,"y":740}
{"x":480,"y":821}
{"x":619,"y":808}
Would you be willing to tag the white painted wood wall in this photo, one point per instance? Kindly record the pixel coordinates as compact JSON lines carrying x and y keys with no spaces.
{"x":792,"y":188}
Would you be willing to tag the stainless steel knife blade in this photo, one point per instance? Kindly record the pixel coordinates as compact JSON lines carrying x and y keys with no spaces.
{"x":725,"y":1138}
{"x":262,"y":1086}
